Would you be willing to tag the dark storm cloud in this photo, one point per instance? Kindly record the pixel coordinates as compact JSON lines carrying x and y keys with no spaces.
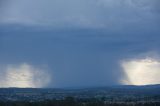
{"x":77,"y":58}
{"x":82,"y":42}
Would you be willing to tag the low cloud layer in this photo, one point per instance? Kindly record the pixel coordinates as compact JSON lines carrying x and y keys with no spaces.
{"x":23,"y":75}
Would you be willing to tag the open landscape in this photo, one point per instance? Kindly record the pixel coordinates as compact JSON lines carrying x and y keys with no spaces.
{"x":148,"y":95}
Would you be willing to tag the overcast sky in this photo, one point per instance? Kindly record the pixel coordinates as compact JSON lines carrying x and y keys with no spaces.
{"x":79,"y":43}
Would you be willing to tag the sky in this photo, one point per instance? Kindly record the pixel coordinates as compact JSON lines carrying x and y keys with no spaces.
{"x":79,"y":43}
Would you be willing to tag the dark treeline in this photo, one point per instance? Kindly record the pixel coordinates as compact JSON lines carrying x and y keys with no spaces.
{"x":70,"y":101}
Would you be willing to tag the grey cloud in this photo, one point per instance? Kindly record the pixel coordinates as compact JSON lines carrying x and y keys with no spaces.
{"x":81,"y":41}
{"x":78,"y":58}
{"x":75,"y":13}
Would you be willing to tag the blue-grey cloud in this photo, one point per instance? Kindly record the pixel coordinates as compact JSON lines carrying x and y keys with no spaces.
{"x":82,"y":42}
{"x":75,"y":13}
{"x":78,"y":58}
